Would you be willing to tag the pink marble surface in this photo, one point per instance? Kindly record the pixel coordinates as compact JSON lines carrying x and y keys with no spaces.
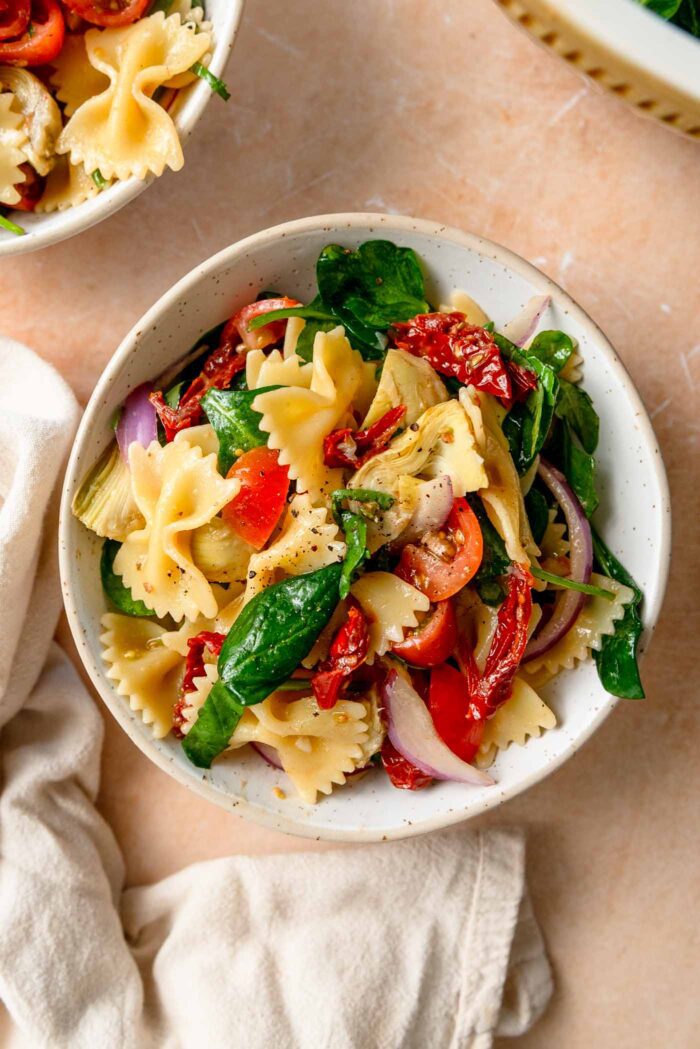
{"x":447,"y":111}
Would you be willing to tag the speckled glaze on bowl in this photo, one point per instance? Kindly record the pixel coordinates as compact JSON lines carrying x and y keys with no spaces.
{"x":634,"y":516}
{"x":626,"y":49}
{"x":44,"y":230}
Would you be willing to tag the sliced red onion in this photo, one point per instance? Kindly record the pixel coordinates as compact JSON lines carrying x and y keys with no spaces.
{"x":569,"y":602}
{"x":523,"y":326}
{"x":268,"y":754}
{"x":435,"y":501}
{"x":411,"y":730}
{"x":138,"y":421}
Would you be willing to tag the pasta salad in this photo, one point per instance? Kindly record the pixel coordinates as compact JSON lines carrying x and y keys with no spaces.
{"x":87,"y":92}
{"x":355,"y":534}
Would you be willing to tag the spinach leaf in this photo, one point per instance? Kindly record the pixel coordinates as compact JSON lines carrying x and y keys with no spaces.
{"x":374,"y":286}
{"x":112,"y":584}
{"x":365,"y":290}
{"x":579,"y":469}
{"x":553,"y":348}
{"x":495,"y":561}
{"x":576,"y":408}
{"x":571,"y":584}
{"x":382,"y":500}
{"x":617,"y":660}
{"x":688,"y":17}
{"x":537,"y":509}
{"x":355,"y":528}
{"x":237,"y":425}
{"x":172,"y":396}
{"x":527,"y":424}
{"x":665,"y":8}
{"x":271,"y":636}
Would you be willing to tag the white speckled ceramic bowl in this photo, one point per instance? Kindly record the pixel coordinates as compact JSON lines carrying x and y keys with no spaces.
{"x":634,"y":515}
{"x":625,"y":48}
{"x":44,"y":230}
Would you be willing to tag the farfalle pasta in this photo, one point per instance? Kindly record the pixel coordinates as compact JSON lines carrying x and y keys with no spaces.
{"x":101,"y":106}
{"x":348,"y":535}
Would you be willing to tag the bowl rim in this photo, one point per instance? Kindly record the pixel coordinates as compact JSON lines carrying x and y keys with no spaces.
{"x":372,"y":222}
{"x":89,"y":213}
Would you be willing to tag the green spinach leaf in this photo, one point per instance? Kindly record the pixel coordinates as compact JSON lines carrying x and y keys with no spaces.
{"x":579,"y":469}
{"x":576,"y":408}
{"x":571,"y":584}
{"x":271,"y":636}
{"x":114,"y":588}
{"x":553,"y":348}
{"x":237,"y":425}
{"x":616,"y":662}
{"x":355,"y":528}
{"x":382,"y":500}
{"x":537,"y":509}
{"x":495,"y":561}
{"x":527,"y":424}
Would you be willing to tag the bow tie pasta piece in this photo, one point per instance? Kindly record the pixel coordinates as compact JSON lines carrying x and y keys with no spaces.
{"x":67,"y":184}
{"x":317,"y":748}
{"x":463,"y":303}
{"x":276,"y":369}
{"x":501,"y":495}
{"x":298,"y":419}
{"x":177,"y":490}
{"x":596,"y":620}
{"x":390,"y":606}
{"x":202,"y":437}
{"x":143,"y":669}
{"x":122,"y":131}
{"x":196,"y":699}
{"x":13,"y":139}
{"x":308,"y":541}
{"x":522,"y":717}
{"x":74,"y":77}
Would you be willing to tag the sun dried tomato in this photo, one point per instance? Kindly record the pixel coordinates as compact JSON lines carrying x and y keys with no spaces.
{"x":350,"y":449}
{"x":348,"y":651}
{"x":456,"y":348}
{"x":400,"y":771}
{"x":194,"y":667}
{"x":522,"y":380}
{"x":218,"y":372}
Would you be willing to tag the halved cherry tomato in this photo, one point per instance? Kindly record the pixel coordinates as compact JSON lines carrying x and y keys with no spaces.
{"x":14,"y":18}
{"x":42,"y":39}
{"x":257,"y":508}
{"x":109,"y":13}
{"x":440,"y":577}
{"x":448,"y":702}
{"x":433,"y":641}
{"x":237,"y":329}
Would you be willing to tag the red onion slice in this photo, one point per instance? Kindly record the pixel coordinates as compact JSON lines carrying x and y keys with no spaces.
{"x":523,"y":326}
{"x":138,"y":421}
{"x":435,"y":501}
{"x":569,"y":602}
{"x":268,"y":754}
{"x":411,"y":730}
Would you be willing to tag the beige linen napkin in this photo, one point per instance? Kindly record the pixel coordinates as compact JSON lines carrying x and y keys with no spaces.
{"x":423,"y":943}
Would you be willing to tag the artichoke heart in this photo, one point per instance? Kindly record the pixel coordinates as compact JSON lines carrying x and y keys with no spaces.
{"x":221,"y":555}
{"x":441,"y":442}
{"x":104,"y":502}
{"x":406,"y":380}
{"x":42,"y":117}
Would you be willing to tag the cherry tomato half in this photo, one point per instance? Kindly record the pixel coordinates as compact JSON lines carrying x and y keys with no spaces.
{"x":109,"y":13}
{"x":433,"y":641}
{"x":42,"y":39}
{"x":237,"y":329}
{"x":14,"y":18}
{"x":257,"y":508}
{"x":448,"y":702}
{"x":439,"y":578}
